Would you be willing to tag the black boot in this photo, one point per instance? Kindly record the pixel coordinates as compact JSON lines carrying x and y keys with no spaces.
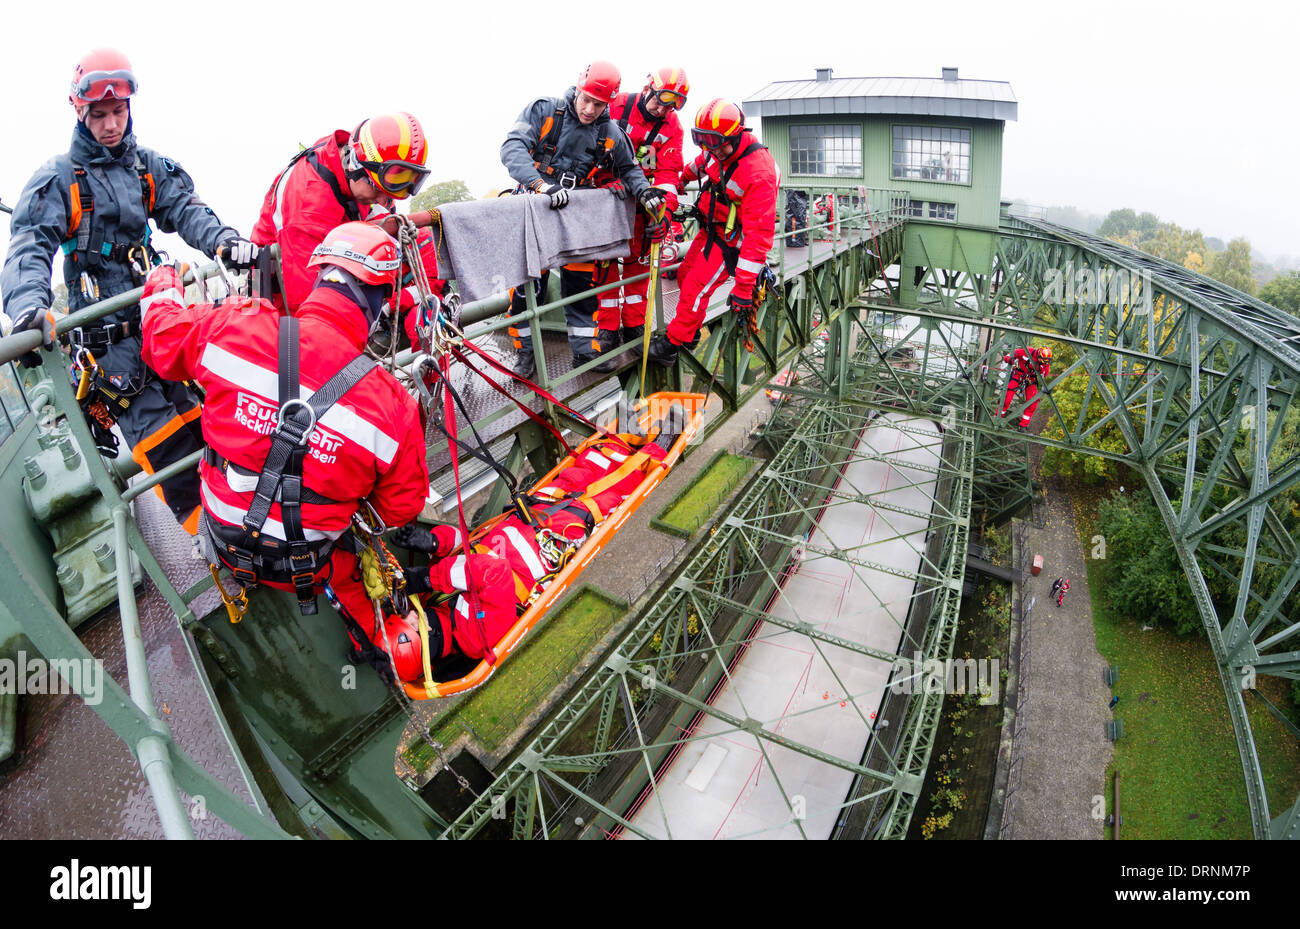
{"x":663,"y":352}
{"x":525,"y":366}
{"x":608,"y":341}
{"x":635,"y":335}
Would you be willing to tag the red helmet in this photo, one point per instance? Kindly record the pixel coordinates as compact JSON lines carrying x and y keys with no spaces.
{"x":669,"y":86}
{"x":600,"y":81}
{"x":719,"y":121}
{"x":103,"y":73}
{"x":1045,"y":353}
{"x":404,"y":640}
{"x":364,"y":250}
{"x":391,"y":150}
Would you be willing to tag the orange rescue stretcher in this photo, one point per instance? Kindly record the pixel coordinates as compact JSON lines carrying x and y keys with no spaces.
{"x":657,"y":408}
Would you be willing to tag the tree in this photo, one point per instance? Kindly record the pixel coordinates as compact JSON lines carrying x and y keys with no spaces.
{"x":1283,"y":292}
{"x":1174,"y":243}
{"x":1067,"y":398}
{"x":1118,"y":223}
{"x":1146,"y":579}
{"x":1232,"y":266}
{"x":453,"y":191}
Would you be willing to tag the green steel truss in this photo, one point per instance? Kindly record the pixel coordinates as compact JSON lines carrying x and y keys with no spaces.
{"x":601,"y":754}
{"x":1197,"y":379}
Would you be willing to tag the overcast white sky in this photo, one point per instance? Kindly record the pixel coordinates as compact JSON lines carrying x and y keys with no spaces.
{"x":1186,"y":110}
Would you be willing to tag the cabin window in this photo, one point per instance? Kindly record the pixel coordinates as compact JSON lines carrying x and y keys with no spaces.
{"x":905,"y":207}
{"x":932,"y":153}
{"x":946,"y":211}
{"x":826,"y":151}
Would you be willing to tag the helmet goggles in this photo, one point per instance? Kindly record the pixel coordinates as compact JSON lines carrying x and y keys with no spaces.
{"x":669,"y":98}
{"x":396,"y":178}
{"x":98,"y":85}
{"x":709,"y":139}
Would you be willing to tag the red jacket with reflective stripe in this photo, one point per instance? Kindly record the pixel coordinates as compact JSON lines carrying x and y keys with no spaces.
{"x":753,"y":188}
{"x":368,"y":444}
{"x":661,"y":157}
{"x":1027,"y":364}
{"x":494,"y":591}
{"x":300,"y":208}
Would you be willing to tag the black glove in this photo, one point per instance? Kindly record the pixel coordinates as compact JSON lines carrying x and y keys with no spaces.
{"x":559,"y":195}
{"x":238,"y":252}
{"x":652,"y":200}
{"x":414,"y":537}
{"x":618,"y":190}
{"x":740,"y":304}
{"x":417,"y":580}
{"x":37,"y":319}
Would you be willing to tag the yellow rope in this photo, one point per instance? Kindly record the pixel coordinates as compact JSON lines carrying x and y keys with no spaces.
{"x":372,"y":576}
{"x":379,"y":584}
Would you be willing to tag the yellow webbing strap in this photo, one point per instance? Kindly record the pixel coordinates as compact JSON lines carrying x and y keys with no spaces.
{"x":591,"y":508}
{"x":649,"y":322}
{"x":430,"y":687}
{"x":633,"y":463}
{"x":377,"y":588}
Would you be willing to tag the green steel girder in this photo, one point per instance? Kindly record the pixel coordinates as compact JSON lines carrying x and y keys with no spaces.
{"x":721,"y":591}
{"x":1196,"y":379}
{"x":1186,"y":373}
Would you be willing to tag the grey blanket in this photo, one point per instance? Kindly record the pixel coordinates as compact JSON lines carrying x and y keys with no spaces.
{"x":490,"y":246}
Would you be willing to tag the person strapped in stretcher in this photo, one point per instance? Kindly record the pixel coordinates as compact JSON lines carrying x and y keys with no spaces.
{"x":479,"y":596}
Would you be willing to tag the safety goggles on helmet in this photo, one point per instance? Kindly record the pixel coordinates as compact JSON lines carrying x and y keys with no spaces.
{"x":396,"y":178}
{"x":709,"y":139}
{"x":669,"y":98}
{"x":98,"y":85}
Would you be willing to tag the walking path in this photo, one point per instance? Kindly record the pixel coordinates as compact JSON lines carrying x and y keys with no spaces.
{"x":1064,"y":708}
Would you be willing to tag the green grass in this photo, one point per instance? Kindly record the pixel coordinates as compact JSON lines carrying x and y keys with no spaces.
{"x":494,"y":711}
{"x":690,"y":508}
{"x":1180,"y":773}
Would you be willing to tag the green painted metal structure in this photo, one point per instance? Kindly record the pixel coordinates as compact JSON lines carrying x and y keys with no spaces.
{"x":1197,"y":379}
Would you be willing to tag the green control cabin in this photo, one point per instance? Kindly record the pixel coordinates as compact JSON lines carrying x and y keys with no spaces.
{"x":937,"y":141}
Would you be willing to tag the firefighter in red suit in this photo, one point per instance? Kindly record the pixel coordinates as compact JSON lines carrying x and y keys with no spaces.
{"x":650,"y":119}
{"x":1027,"y":367}
{"x":825,"y":209}
{"x":367,"y":446}
{"x":738,"y":180}
{"x":508,"y":561}
{"x":344,"y":177}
